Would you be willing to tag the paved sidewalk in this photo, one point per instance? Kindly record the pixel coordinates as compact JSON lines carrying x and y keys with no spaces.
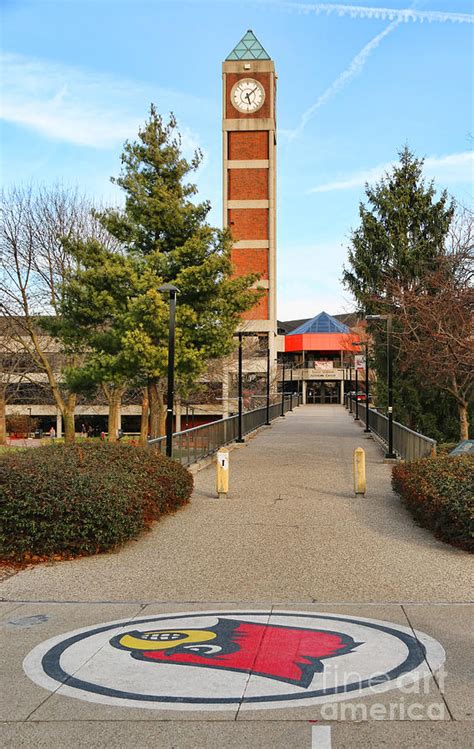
{"x":290,"y":538}
{"x":290,"y":531}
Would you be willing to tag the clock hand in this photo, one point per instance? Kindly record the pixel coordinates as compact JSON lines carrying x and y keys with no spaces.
{"x":247,"y":96}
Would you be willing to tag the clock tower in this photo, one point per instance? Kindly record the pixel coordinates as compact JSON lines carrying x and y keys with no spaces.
{"x":249,"y":174}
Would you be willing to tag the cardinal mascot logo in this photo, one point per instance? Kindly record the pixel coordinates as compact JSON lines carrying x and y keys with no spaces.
{"x":289,"y":654}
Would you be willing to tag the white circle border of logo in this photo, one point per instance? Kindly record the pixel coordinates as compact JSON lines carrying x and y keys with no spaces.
{"x":85,"y":663}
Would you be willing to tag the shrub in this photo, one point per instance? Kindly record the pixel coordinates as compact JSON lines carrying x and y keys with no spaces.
{"x":82,"y":499}
{"x":439,"y":491}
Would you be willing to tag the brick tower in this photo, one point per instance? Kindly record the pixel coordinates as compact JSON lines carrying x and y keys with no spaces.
{"x":249,"y":172}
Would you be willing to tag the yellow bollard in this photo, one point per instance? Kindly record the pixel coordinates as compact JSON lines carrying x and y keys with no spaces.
{"x":359,"y":471}
{"x":222,"y":477}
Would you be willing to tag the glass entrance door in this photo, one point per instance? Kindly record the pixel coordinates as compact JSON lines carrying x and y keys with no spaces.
{"x":322,"y":392}
{"x":330,"y":393}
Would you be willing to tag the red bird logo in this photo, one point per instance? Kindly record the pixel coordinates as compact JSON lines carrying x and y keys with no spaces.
{"x":289,"y":654}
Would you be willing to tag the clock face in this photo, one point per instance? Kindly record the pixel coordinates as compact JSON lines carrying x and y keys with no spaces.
{"x":247,"y":95}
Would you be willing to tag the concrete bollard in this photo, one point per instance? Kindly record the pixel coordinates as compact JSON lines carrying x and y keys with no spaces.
{"x":222,"y":475}
{"x":359,"y":471}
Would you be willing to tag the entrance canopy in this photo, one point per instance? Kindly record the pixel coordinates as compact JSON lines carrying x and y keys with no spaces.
{"x":321,"y":342}
{"x":322,"y":333}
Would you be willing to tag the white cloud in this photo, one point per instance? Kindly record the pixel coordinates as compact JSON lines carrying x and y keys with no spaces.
{"x":80,"y":107}
{"x":354,"y":69}
{"x":391,"y":14}
{"x":455,"y":167}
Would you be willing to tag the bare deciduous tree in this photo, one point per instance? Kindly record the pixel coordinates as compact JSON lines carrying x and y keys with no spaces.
{"x":436,"y":320}
{"x":34,"y":266}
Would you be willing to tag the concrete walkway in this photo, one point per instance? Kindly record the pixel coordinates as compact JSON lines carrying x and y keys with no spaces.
{"x":291,"y":536}
{"x":291,"y":531}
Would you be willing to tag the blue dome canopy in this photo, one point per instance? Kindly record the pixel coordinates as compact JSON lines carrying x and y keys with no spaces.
{"x":322,"y":323}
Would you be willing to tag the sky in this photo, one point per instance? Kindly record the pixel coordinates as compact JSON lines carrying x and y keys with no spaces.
{"x":356,"y":82}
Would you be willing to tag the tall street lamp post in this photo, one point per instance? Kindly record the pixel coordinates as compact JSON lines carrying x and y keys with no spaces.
{"x":366,"y":344}
{"x":241,"y":397}
{"x":283,"y":390}
{"x":291,"y":387}
{"x":390,"y":454}
{"x":367,"y":426}
{"x":356,"y":417}
{"x":267,"y":422}
{"x":172,"y":291}
{"x":240,"y":336}
{"x":350,"y":385}
{"x":346,"y":386}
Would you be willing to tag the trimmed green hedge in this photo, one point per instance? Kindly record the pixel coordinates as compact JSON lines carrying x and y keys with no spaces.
{"x":71,"y":500}
{"x":439,"y":491}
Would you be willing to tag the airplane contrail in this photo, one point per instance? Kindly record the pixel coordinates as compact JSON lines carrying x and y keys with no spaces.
{"x":354,"y":68}
{"x":391,"y":14}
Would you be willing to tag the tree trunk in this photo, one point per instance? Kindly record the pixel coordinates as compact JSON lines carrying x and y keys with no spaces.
{"x":68,"y":416}
{"x":463,"y":420}
{"x":68,"y":406}
{"x":115,"y":401}
{"x":144,"y":418}
{"x":3,"y":424}
{"x":69,"y":431}
{"x":177,"y":410}
{"x":157,"y":410}
{"x":462,"y":409}
{"x":162,"y":417}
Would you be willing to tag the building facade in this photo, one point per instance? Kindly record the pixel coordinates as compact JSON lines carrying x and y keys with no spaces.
{"x":319,"y":355}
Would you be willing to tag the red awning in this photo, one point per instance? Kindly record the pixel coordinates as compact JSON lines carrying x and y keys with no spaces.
{"x":321,"y":342}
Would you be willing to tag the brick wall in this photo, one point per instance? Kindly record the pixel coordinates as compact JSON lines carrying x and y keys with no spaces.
{"x":248,"y":223}
{"x":248,"y":184}
{"x":259,"y":311}
{"x":248,"y":144}
{"x":250,"y":261}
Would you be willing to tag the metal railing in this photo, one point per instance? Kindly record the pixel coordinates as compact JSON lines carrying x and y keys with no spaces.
{"x":408,"y":444}
{"x":198,"y":443}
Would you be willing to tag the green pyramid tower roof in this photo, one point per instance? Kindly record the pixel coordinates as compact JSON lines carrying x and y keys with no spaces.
{"x":249,"y":48}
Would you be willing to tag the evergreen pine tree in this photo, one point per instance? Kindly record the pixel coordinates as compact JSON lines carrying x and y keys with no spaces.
{"x":401,"y":236}
{"x":113,"y":300}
